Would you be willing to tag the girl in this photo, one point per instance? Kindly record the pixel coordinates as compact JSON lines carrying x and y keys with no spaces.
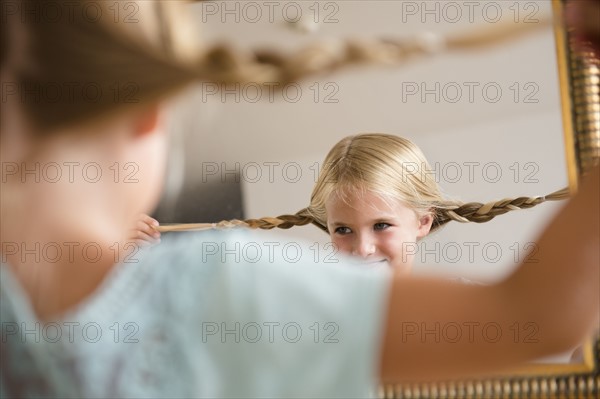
{"x":375,"y":198}
{"x":375,"y":195}
{"x":188,"y":318}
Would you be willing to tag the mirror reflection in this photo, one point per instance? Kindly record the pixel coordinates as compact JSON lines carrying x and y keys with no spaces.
{"x":487,"y":119}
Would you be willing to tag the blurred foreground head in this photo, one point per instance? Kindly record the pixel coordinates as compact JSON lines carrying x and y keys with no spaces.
{"x":65,"y":61}
{"x":81,"y":84}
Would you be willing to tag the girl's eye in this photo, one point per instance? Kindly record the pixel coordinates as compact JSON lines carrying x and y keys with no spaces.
{"x":381,"y":226}
{"x":342,"y":230}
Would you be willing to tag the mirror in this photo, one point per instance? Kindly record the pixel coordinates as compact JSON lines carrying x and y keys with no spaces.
{"x":495,"y":122}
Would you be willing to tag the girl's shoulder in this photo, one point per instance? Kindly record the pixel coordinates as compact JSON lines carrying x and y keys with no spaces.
{"x":222,"y":303}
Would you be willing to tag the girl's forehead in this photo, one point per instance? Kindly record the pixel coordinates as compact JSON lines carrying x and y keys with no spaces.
{"x":362,"y":198}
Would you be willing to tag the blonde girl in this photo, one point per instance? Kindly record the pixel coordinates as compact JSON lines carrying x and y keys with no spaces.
{"x":375,"y":196}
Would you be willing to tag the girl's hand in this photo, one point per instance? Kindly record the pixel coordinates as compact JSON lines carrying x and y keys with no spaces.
{"x":143,"y":233}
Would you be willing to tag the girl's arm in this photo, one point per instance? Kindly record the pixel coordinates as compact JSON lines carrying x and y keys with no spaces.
{"x":436,"y":329}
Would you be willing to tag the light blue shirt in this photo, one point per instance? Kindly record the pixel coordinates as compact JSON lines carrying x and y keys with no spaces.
{"x":211,"y":314}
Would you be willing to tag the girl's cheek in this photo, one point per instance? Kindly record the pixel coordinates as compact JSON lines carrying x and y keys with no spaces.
{"x":390,"y":240}
{"x":394,"y":246}
{"x":342,"y":245}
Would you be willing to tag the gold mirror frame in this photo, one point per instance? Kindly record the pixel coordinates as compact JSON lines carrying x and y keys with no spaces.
{"x":579,"y":77}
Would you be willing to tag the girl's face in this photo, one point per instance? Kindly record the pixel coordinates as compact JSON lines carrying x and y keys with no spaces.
{"x":365,"y":225}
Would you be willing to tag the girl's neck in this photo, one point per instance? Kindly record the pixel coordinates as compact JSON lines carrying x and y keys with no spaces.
{"x":59,"y":261}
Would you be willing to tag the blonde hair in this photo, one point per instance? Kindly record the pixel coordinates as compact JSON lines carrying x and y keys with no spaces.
{"x":82,"y":63}
{"x":390,"y":166}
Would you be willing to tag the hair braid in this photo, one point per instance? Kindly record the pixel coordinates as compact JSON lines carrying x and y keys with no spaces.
{"x":227,"y":65}
{"x":475,"y":212}
{"x":480,"y":213}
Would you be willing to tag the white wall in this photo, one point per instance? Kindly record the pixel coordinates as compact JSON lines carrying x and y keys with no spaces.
{"x":514,"y":135}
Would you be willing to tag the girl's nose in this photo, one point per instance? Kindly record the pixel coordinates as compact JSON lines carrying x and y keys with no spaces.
{"x":364,"y":247}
